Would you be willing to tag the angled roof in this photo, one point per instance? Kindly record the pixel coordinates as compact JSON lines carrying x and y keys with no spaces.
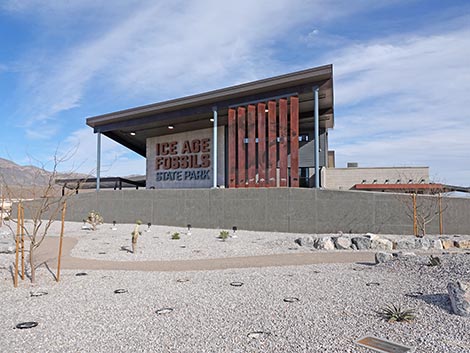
{"x":193,"y":112}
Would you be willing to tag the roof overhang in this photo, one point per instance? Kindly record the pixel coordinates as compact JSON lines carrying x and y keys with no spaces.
{"x":132,"y":127}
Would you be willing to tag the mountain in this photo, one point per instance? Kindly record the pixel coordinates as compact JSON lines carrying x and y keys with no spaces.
{"x":28,"y":181}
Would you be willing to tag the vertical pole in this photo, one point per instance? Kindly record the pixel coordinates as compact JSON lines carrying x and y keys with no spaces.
{"x":17,"y":238}
{"x":441,"y":226}
{"x":317,"y":136}
{"x":22,"y":242}
{"x":98,"y":161}
{"x":64,"y":207}
{"x":415,"y":222}
{"x":214,"y":147}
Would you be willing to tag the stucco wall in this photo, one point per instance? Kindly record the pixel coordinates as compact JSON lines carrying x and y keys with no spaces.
{"x":346,"y":178}
{"x":268,"y":209}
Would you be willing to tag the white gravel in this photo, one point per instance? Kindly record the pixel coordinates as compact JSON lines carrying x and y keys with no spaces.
{"x":335,"y":307}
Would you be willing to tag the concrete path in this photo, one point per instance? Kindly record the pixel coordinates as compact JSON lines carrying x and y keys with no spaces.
{"x":48,"y":253}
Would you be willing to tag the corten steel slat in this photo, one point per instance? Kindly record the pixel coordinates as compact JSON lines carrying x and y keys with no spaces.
{"x":262,"y":144}
{"x":232,"y":148}
{"x":272,"y":144}
{"x":283,"y":142}
{"x":294,"y":142}
{"x":241,"y":182}
{"x":251,"y":146}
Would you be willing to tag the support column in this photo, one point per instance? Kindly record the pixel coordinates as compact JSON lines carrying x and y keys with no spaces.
{"x":241,"y":183}
{"x":283,"y":142}
{"x":251,"y":145}
{"x":272,"y":144}
{"x":232,"y":148}
{"x":262,"y":144}
{"x":98,"y":161}
{"x":294,"y":142}
{"x":317,"y":137}
{"x":214,"y":148}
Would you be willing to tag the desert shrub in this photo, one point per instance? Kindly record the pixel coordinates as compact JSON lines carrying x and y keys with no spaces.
{"x":223,"y":235}
{"x":395,"y":313}
{"x":94,"y":219}
{"x":175,"y":236}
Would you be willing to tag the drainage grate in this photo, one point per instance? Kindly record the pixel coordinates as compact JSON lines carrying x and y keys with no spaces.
{"x":383,"y":346}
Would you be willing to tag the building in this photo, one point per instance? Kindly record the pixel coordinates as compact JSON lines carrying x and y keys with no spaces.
{"x":267,"y":133}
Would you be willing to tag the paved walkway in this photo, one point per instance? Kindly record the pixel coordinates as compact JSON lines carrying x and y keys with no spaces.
{"x":48,"y":253}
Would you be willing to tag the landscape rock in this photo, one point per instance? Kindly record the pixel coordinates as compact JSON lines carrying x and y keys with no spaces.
{"x":459,"y":294}
{"x":307,"y":241}
{"x":404,"y":244}
{"x":324,"y":243}
{"x":371,"y":236}
{"x":435,"y":244}
{"x":381,"y":244}
{"x":404,"y":254}
{"x":447,"y":243}
{"x":362,"y":243}
{"x":342,"y":243}
{"x":381,"y":257}
{"x":422,"y":244}
{"x":462,"y":244}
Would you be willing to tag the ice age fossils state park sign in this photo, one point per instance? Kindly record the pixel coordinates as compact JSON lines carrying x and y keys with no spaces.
{"x":181,"y":160}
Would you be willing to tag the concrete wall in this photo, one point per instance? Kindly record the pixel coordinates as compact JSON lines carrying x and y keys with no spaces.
{"x":268,"y":209}
{"x":346,"y":178}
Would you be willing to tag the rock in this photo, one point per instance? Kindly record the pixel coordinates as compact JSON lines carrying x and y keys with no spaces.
{"x":447,"y":243}
{"x":402,"y":244}
{"x":361,"y":243}
{"x":324,"y":243}
{"x":459,"y":294}
{"x":381,"y":244}
{"x":354,"y":247}
{"x":435,"y":244}
{"x":462,"y":244}
{"x":371,"y":236}
{"x":381,"y":257}
{"x":342,"y":243}
{"x":307,"y":241}
{"x":422,"y":244}
{"x":404,"y":254}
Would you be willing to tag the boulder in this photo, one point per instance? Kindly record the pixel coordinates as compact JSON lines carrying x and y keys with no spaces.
{"x":381,"y":244}
{"x":362,"y":243}
{"x":462,"y":244}
{"x":404,"y":244}
{"x":422,"y":244}
{"x":324,"y":243}
{"x":459,"y":294}
{"x":371,"y":236}
{"x":381,"y":257}
{"x":307,"y":241}
{"x":342,"y":243}
{"x":447,"y":243}
{"x":435,"y":244}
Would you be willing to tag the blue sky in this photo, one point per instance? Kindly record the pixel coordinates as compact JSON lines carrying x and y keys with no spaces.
{"x":401,"y":69}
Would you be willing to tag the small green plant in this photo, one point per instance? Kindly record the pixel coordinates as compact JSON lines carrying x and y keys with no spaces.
{"x":223,"y":235}
{"x":395,"y":313}
{"x":434,"y":261}
{"x":175,"y":236}
{"x":135,"y":235}
{"x":94,"y":219}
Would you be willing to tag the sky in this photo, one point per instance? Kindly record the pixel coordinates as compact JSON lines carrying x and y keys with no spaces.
{"x":401,"y":72}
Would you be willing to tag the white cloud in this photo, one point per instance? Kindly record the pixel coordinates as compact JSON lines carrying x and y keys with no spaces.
{"x":404,"y":102}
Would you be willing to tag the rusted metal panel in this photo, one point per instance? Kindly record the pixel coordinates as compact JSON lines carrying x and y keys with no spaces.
{"x":241,"y":182}
{"x":262,"y":144}
{"x":294,"y":142}
{"x":383,"y":345}
{"x":283,"y":142}
{"x":272,"y":144}
{"x":232,"y":148}
{"x":251,"y":145}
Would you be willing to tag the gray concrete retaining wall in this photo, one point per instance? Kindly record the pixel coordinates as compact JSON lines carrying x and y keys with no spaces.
{"x":268,"y":209}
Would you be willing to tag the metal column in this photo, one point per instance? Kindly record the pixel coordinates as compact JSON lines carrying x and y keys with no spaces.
{"x":214,"y":147}
{"x":316,"y":137}
{"x":98,"y":161}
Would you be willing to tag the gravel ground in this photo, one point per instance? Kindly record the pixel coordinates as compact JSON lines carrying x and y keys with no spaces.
{"x":335,"y":307}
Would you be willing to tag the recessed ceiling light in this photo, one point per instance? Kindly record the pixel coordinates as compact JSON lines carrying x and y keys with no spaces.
{"x":171,"y":127}
{"x":132,"y":133}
